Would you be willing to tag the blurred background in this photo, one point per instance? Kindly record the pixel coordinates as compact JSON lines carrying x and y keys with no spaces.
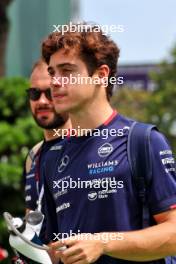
{"x":147,"y":64}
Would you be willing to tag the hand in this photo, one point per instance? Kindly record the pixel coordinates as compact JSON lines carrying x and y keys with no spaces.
{"x":81,"y":249}
{"x":51,"y":253}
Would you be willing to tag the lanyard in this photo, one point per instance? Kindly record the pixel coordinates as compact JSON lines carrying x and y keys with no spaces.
{"x":38,"y":178}
{"x":39,"y":202}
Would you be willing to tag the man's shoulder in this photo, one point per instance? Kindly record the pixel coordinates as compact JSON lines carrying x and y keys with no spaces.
{"x":31,"y":155}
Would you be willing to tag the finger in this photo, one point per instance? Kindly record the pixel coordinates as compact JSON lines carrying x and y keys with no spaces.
{"x":73,"y":250}
{"x":63,"y":255}
{"x":56,"y":245}
{"x":54,"y":258}
{"x":60,"y":245}
{"x":74,"y":258}
{"x":64,"y":242}
{"x":71,"y":241}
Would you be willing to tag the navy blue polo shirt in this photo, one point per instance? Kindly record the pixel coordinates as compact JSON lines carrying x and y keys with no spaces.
{"x":90,"y":188}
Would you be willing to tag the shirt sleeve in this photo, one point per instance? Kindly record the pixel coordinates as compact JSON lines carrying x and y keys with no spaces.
{"x":162,"y":190}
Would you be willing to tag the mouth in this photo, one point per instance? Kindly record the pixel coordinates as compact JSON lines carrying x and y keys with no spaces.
{"x":43,"y":111}
{"x":58,"y":96}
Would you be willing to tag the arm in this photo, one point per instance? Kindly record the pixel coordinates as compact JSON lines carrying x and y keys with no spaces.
{"x":152,"y":243}
{"x":148,"y":244}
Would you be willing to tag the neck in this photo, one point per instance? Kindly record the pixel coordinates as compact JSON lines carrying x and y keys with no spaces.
{"x":91,"y":116}
{"x":49,"y":134}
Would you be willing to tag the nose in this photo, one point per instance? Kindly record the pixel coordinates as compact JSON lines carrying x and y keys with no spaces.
{"x":56,"y":82}
{"x":43,"y":99}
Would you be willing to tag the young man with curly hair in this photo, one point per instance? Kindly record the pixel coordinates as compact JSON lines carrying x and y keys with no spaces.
{"x":92,"y":209}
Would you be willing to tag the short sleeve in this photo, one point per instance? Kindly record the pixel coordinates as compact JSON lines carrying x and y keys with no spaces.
{"x":162,"y":191}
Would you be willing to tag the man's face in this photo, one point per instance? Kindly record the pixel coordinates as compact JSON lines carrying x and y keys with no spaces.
{"x":69,"y":97}
{"x":42,"y":109}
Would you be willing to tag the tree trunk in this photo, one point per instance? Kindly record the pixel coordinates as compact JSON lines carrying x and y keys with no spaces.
{"x":4,"y":30}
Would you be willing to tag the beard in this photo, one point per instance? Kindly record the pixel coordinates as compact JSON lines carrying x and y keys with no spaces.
{"x":58,"y":120}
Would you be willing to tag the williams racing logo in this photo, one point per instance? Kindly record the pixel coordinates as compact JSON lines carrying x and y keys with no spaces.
{"x":102,"y":167}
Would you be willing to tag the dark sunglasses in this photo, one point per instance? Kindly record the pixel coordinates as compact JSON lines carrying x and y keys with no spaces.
{"x":35,"y":93}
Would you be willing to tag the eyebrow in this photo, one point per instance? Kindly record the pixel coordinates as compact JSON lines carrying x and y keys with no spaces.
{"x":63,"y":65}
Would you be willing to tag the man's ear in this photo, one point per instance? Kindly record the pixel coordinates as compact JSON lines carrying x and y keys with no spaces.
{"x":103,"y":71}
{"x":103,"y":74}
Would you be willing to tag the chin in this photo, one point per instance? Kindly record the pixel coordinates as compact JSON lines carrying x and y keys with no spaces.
{"x":44,"y":121}
{"x":61,"y":110}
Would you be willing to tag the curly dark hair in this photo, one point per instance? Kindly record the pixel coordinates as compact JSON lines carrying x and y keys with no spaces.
{"x":91,"y":45}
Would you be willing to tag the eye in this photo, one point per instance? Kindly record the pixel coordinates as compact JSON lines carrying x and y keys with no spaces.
{"x":51,"y":73}
{"x":67,"y":70}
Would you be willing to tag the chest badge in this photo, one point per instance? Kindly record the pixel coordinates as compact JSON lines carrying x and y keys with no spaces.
{"x":105,"y":150}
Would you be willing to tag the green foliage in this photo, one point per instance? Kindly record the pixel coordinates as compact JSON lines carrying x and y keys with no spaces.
{"x":163,"y":98}
{"x":131,"y":103}
{"x":162,"y":105}
{"x":12,"y":99}
{"x":18,"y":133}
{"x":159,"y":106}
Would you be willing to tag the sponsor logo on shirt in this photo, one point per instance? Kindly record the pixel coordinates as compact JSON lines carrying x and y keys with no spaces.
{"x":168,"y":161}
{"x":92,"y":196}
{"x":102,"y":167}
{"x":167,"y":170}
{"x":103,"y":194}
{"x":62,"y":207}
{"x":165,"y":152}
{"x":63,"y":163}
{"x":105,"y":150}
{"x":56,"y":184}
{"x":56,"y":148}
{"x":60,"y":193}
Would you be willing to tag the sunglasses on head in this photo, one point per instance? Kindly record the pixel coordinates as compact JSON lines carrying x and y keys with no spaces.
{"x":35,"y":93}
